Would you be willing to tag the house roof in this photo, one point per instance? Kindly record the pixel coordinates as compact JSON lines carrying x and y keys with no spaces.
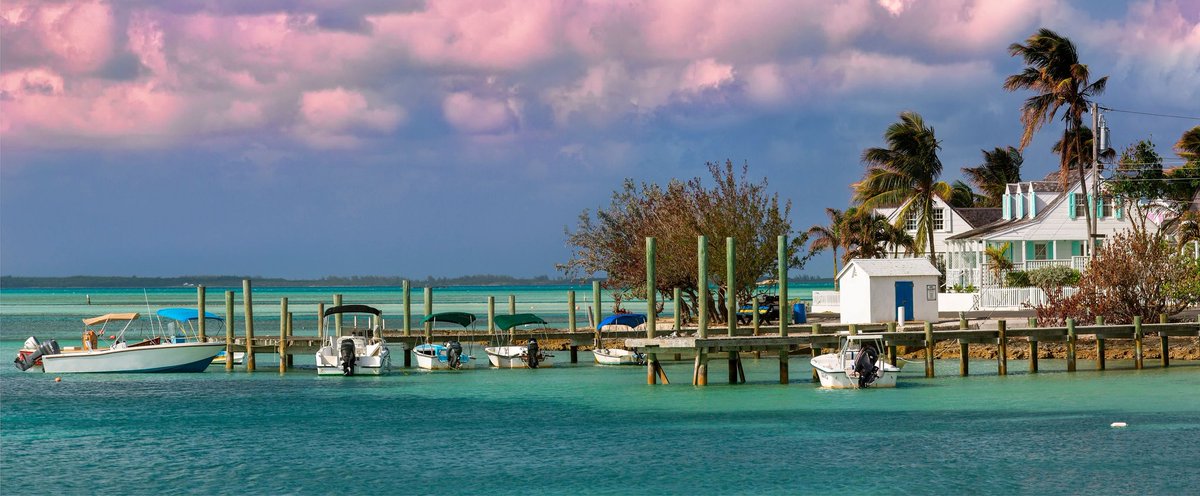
{"x":979,"y":217}
{"x":876,"y":267}
{"x":1004,"y":225}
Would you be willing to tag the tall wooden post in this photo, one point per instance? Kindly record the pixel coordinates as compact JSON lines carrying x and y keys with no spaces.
{"x":677,"y":310}
{"x":228,"y":331}
{"x":1002,"y":343}
{"x":200,"y":297}
{"x":491,"y":314}
{"x":754,"y":319}
{"x":816,"y":350}
{"x":283,"y":318}
{"x":1163,"y":342}
{"x":1099,"y":344}
{"x":512,"y":304}
{"x":1033,"y":349}
{"x":406,"y":288}
{"x":929,"y":349}
{"x":596,"y":309}
{"x":702,"y":286}
{"x":964,"y":350}
{"x":731,"y":288}
{"x":651,"y":358}
{"x":891,"y":347}
{"x":1137,"y":342}
{"x":337,"y":318}
{"x":321,"y":321}
{"x":428,"y":311}
{"x":290,"y":361}
{"x":1071,"y":345}
{"x":785,"y":312}
{"x":571,"y":324}
{"x":248,"y":312}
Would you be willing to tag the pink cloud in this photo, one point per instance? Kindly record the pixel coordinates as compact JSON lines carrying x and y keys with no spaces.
{"x":494,"y":34}
{"x":478,"y":115}
{"x":69,"y":37}
{"x":330,"y":118}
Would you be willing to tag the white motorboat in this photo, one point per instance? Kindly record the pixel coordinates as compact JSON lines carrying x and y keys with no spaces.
{"x":529,"y":355}
{"x":148,"y":355}
{"x":617,"y":356}
{"x":447,"y":356}
{"x":858,"y":363}
{"x":183,"y":328}
{"x":363,"y":352}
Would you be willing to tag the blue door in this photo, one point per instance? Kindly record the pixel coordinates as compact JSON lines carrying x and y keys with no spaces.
{"x":904,"y":298}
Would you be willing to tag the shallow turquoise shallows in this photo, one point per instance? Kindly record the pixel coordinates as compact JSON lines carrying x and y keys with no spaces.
{"x":581,"y":429}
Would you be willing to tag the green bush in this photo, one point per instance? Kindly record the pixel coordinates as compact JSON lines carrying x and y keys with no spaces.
{"x":1053,"y":277}
{"x":1017,"y":279}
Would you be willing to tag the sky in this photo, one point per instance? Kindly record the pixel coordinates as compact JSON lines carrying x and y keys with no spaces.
{"x":312,"y":138}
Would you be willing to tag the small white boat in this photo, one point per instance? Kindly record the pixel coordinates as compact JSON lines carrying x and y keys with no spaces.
{"x":617,"y":356}
{"x":183,"y":328}
{"x":148,"y":355}
{"x":529,"y":355}
{"x":449,"y":355}
{"x":361,"y":353}
{"x":858,"y":363}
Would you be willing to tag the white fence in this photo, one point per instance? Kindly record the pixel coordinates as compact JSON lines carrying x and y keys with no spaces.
{"x":1015,"y":298}
{"x":826,"y":301}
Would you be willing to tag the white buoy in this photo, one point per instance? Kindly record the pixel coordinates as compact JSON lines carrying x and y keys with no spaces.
{"x":1118,"y":424}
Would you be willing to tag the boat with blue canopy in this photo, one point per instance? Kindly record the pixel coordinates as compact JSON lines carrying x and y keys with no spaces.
{"x":617,"y":356}
{"x":448,"y":355}
{"x":182,"y":327}
{"x":529,"y":355}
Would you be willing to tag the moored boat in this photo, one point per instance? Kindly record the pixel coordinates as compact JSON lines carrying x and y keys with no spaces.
{"x":363,"y":352}
{"x":617,"y":356}
{"x":183,"y":328}
{"x":529,"y":355}
{"x":858,"y":363}
{"x":449,"y":355}
{"x":153,"y":354}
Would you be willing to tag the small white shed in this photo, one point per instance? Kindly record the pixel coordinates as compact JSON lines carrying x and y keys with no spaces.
{"x":872,"y":289}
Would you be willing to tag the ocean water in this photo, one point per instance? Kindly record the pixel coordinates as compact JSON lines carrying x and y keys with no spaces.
{"x":584,"y":429}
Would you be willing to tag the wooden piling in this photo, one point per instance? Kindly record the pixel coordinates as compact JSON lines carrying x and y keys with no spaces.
{"x":816,"y":351}
{"x":491,"y":314}
{"x":1033,"y":349}
{"x":428,"y":302}
{"x":200,"y":313}
{"x":785,"y":312}
{"x":1164,"y":343}
{"x":677,"y":309}
{"x":651,"y":374}
{"x":702,"y":367}
{"x":290,"y":357}
{"x":702,"y":285}
{"x":574,"y":354}
{"x":596,"y":305}
{"x":1137,"y":342}
{"x":964,"y":358}
{"x":283,"y":314}
{"x":1071,"y":337}
{"x":962,"y":320}
{"x":571,"y":324}
{"x":1002,"y":343}
{"x":248,"y":312}
{"x":929,"y":349}
{"x":733,"y":366}
{"x":512,"y":304}
{"x":337,"y":318}
{"x":651,"y":308}
{"x":891,"y":349}
{"x":783,"y":366}
{"x":407,"y":290}
{"x":731,"y":286}
{"x":228,"y":331}
{"x":1099,"y":345}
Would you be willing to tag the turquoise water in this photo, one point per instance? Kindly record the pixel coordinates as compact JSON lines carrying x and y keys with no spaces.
{"x":581,"y":429}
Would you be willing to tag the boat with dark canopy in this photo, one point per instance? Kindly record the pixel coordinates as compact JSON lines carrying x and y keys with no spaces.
{"x":529,"y":355}
{"x":361,"y":352}
{"x":448,"y":355}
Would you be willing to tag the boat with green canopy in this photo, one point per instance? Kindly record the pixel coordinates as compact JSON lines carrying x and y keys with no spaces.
{"x":514,"y":356}
{"x":448,"y":355}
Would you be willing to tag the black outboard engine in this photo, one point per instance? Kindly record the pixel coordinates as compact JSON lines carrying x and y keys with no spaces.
{"x":454,"y":354}
{"x":26,"y":358}
{"x":533,"y":354}
{"x":348,"y":357}
{"x":865,"y":366}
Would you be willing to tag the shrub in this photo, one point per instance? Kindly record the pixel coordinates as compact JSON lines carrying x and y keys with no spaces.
{"x":1017,"y":279}
{"x":1047,"y":277}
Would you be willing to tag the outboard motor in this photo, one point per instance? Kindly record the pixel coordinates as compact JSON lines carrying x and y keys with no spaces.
{"x":865,"y":366}
{"x":33,"y":351}
{"x":454,"y":354}
{"x":346,"y":353}
{"x":532,"y":355}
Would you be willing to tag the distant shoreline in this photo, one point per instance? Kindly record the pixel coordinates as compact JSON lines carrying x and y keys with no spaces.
{"x":351,"y":281}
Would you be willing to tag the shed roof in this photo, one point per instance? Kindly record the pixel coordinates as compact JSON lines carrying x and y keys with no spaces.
{"x":883,"y":267}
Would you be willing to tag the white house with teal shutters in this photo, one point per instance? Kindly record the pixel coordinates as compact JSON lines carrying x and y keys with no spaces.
{"x":948,"y":221}
{"x":1044,"y":225}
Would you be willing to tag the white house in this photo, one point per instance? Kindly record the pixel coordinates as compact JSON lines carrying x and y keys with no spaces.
{"x":1043,"y":224}
{"x":948,"y":221}
{"x":873,"y":290}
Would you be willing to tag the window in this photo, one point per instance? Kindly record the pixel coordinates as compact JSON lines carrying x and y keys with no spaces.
{"x":1041,"y":251}
{"x":1106,"y":206}
{"x":1080,"y":205}
{"x":911,"y":223}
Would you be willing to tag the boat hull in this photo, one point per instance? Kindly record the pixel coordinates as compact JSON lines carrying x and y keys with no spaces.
{"x":512,"y":357}
{"x":834,"y":377}
{"x":160,"y":358}
{"x":614,"y":356}
{"x":432,"y":363}
{"x":370,"y":365}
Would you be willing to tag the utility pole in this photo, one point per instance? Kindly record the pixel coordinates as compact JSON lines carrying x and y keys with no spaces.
{"x":1096,"y":182}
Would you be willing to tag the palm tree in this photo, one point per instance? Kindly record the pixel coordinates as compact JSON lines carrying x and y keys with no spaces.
{"x":1053,"y":72}
{"x":905,"y":173}
{"x":867,"y":234}
{"x":1000,"y":167}
{"x":831,"y":236}
{"x":1082,"y":134}
{"x":1188,"y":145}
{"x":998,"y":260}
{"x":962,"y":196}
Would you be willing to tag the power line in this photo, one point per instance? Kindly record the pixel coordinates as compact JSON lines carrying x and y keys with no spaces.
{"x":1152,"y":114}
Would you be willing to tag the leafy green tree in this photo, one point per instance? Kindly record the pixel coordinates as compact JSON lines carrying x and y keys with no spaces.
{"x":1053,"y":72}
{"x":998,"y":261}
{"x":905,"y":173}
{"x":1000,"y":167}
{"x":829,"y":237}
{"x":962,"y":196}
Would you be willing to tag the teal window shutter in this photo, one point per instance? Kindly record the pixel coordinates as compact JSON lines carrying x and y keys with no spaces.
{"x":1028,"y":250}
{"x":1050,"y":250}
{"x":1020,"y":200}
{"x":1071,"y":205}
{"x":1076,"y":249}
{"x":1117,"y":210}
{"x":1032,"y":205}
{"x":1006,"y":207}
